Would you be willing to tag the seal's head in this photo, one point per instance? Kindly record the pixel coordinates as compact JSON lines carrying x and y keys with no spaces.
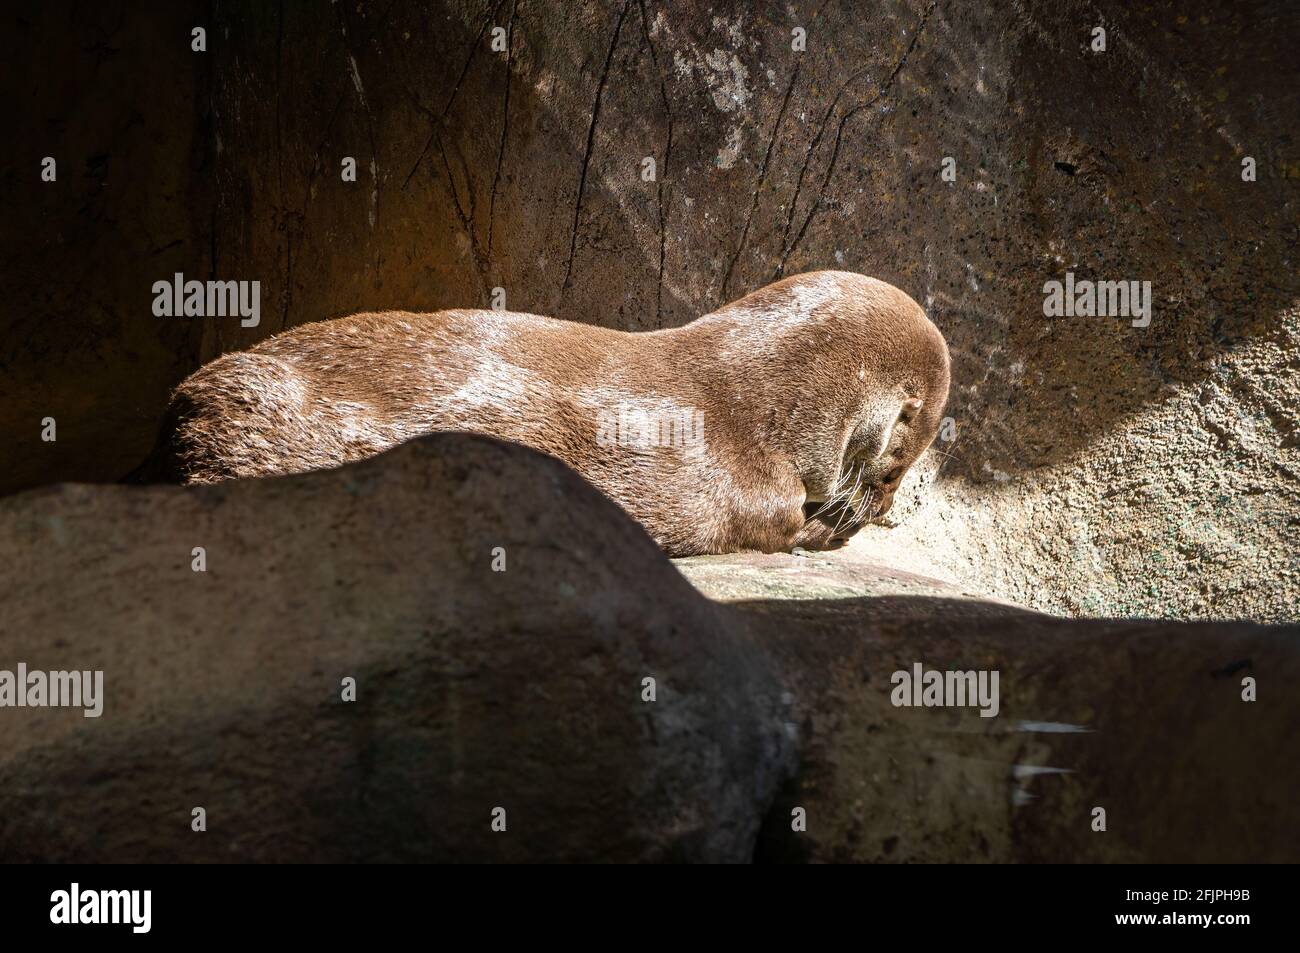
{"x":865,"y":378}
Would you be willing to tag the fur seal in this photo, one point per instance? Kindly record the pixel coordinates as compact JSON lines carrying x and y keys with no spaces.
{"x":786,"y":418}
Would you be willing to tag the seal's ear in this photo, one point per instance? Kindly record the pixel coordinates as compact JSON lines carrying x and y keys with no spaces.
{"x":911,"y":407}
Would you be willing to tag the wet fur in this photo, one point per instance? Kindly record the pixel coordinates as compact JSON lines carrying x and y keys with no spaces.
{"x":801,"y":385}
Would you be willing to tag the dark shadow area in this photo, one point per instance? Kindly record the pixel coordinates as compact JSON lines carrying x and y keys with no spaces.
{"x":1144,"y":719}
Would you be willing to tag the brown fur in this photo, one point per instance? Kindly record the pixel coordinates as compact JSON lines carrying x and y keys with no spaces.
{"x":799,"y":385}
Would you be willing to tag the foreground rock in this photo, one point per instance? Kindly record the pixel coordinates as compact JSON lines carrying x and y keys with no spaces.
{"x":475,"y":689}
{"x":523,"y":689}
{"x":1145,"y":720}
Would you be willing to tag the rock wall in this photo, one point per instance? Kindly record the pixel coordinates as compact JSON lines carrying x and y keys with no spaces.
{"x":1097,"y":468}
{"x":113,"y":97}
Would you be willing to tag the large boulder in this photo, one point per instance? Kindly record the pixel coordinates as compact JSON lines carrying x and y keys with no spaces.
{"x":1148,"y":721}
{"x":475,"y":689}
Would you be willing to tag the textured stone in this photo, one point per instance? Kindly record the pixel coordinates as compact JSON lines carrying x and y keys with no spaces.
{"x":475,"y":689}
{"x":1143,"y":719}
{"x":522,"y":689}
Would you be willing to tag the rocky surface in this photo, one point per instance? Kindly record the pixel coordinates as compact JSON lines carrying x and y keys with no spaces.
{"x":1145,"y":721}
{"x":475,"y":689}
{"x":811,"y":575}
{"x":1142,"y":719}
{"x":523,"y":689}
